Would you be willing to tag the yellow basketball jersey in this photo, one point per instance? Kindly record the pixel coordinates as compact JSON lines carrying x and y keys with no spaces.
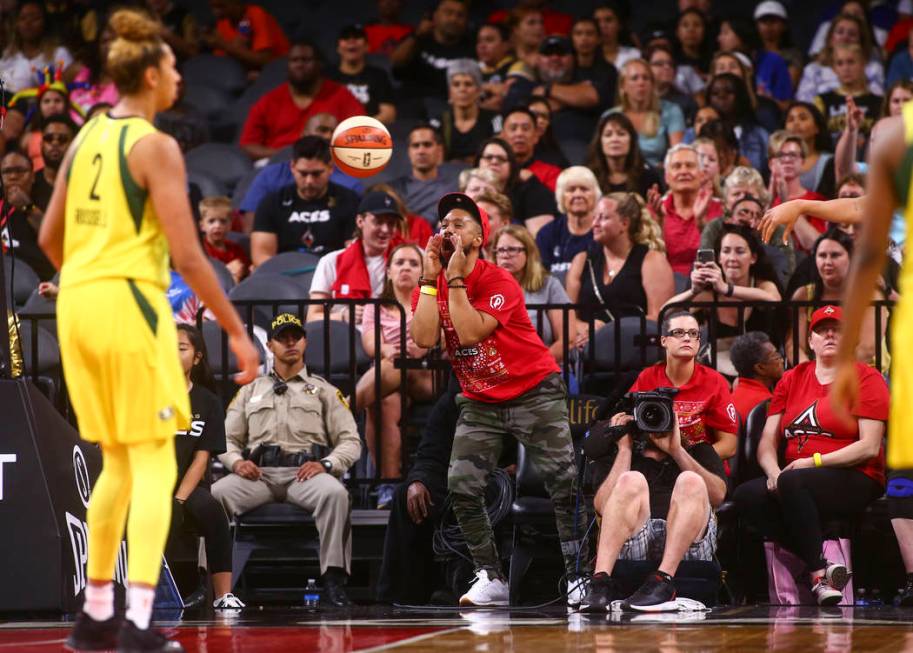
{"x":111,"y":229}
{"x":900,"y":437}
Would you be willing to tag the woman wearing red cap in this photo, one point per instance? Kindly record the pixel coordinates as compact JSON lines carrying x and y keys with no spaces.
{"x":834,"y":468}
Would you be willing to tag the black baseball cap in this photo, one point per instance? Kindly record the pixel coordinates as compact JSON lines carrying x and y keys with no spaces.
{"x":355,"y":31}
{"x":555,"y":44}
{"x":282,"y":323}
{"x":379,"y":203}
{"x":452,"y":201}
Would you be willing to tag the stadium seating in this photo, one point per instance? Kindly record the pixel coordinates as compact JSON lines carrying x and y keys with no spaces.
{"x":227,"y":164}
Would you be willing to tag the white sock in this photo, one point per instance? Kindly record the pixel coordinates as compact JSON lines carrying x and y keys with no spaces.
{"x":139,"y":605}
{"x":99,"y":602}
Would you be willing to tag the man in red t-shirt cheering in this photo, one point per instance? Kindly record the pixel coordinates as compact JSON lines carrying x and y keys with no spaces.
{"x":658,"y":504}
{"x":510,"y":387}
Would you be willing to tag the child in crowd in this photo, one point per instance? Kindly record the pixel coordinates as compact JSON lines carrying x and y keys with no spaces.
{"x":215,"y":220}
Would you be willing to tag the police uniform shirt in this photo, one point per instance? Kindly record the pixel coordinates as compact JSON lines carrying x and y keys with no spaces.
{"x":316,"y":226}
{"x":206,"y":432}
{"x":311,"y":411}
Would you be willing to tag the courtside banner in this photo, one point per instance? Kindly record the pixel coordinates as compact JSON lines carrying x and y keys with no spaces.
{"x":46,"y":476}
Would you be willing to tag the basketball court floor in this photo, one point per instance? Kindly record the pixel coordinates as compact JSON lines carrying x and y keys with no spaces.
{"x":273,"y":630}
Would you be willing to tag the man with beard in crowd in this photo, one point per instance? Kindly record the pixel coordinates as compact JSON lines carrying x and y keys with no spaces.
{"x":56,"y":136}
{"x":279,"y":117}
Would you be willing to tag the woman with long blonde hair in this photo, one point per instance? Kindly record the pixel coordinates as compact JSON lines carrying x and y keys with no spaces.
{"x":625,"y":270}
{"x":659,"y":124}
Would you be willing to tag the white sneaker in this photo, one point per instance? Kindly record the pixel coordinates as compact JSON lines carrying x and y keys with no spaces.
{"x":228,"y":602}
{"x":576,"y":590}
{"x":837,"y":575}
{"x":825,"y":594}
{"x":486,"y":591}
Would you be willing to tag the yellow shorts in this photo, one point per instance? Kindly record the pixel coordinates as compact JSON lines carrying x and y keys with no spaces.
{"x":900,"y":430}
{"x":118,"y":346}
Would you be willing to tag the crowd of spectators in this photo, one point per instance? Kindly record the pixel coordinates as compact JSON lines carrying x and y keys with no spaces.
{"x":621,"y":173}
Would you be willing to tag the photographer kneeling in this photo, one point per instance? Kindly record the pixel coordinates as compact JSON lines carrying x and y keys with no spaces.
{"x":657,"y":499}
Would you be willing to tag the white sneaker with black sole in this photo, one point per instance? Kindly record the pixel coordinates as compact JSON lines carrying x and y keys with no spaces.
{"x":486,"y":591}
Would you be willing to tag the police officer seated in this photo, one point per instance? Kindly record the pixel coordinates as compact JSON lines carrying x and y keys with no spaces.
{"x":290,"y":437}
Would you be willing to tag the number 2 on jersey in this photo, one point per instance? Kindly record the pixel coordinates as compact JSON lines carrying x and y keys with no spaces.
{"x":92,"y":194}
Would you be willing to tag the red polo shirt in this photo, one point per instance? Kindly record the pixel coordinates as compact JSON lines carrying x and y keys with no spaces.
{"x":512,"y":359}
{"x":749,"y":393}
{"x":704,"y":401}
{"x":276,"y":121}
{"x":683,"y":237}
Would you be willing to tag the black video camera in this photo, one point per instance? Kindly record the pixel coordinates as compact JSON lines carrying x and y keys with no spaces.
{"x":652,"y":411}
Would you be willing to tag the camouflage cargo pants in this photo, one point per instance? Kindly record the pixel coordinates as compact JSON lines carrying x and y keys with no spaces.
{"x":539,"y":420}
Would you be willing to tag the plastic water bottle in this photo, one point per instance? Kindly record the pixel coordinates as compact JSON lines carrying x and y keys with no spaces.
{"x":311,"y":595}
{"x":861,"y":599}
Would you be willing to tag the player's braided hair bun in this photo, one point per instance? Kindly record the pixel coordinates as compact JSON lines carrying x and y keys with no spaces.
{"x":137,"y":45}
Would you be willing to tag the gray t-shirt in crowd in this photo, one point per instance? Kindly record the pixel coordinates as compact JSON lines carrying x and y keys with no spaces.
{"x":551,"y":292}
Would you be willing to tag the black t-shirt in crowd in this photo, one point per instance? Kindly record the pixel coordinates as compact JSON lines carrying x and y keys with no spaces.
{"x":41,"y":191}
{"x":531,"y":198}
{"x":317,"y":226}
{"x":370,"y":87}
{"x":661,"y":474}
{"x":648,"y":177}
{"x":17,"y":233}
{"x":206,"y":432}
{"x":426,"y":74}
{"x":460,"y":145}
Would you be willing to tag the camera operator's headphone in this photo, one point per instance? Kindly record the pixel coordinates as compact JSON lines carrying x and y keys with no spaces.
{"x":280,"y":387}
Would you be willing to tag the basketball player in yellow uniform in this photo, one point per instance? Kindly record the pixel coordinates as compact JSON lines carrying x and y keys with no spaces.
{"x":119,"y":205}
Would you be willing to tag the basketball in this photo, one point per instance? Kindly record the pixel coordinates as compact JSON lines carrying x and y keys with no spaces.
{"x":361,"y":146}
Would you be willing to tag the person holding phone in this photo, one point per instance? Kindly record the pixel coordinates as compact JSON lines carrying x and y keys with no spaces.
{"x":737,"y":269}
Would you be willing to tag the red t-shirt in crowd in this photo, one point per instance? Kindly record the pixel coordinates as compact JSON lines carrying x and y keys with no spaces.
{"x":703,"y":402}
{"x":808,"y":422}
{"x":276,"y":121}
{"x":384,"y":38}
{"x":749,"y":393}
{"x":512,"y":359}
{"x":233,"y":251}
{"x":683,"y":238}
{"x":545,"y":172}
{"x":258,"y":28}
{"x":419,"y":230}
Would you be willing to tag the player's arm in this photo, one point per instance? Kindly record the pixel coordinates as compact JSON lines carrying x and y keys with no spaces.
{"x":870,"y":252}
{"x":50,"y":235}
{"x":156,"y":163}
{"x":845,"y":210}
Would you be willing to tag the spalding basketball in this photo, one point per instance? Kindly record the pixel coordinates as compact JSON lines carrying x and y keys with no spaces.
{"x":361,"y":146}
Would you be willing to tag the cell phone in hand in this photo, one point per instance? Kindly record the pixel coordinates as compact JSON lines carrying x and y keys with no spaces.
{"x":705,"y":256}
